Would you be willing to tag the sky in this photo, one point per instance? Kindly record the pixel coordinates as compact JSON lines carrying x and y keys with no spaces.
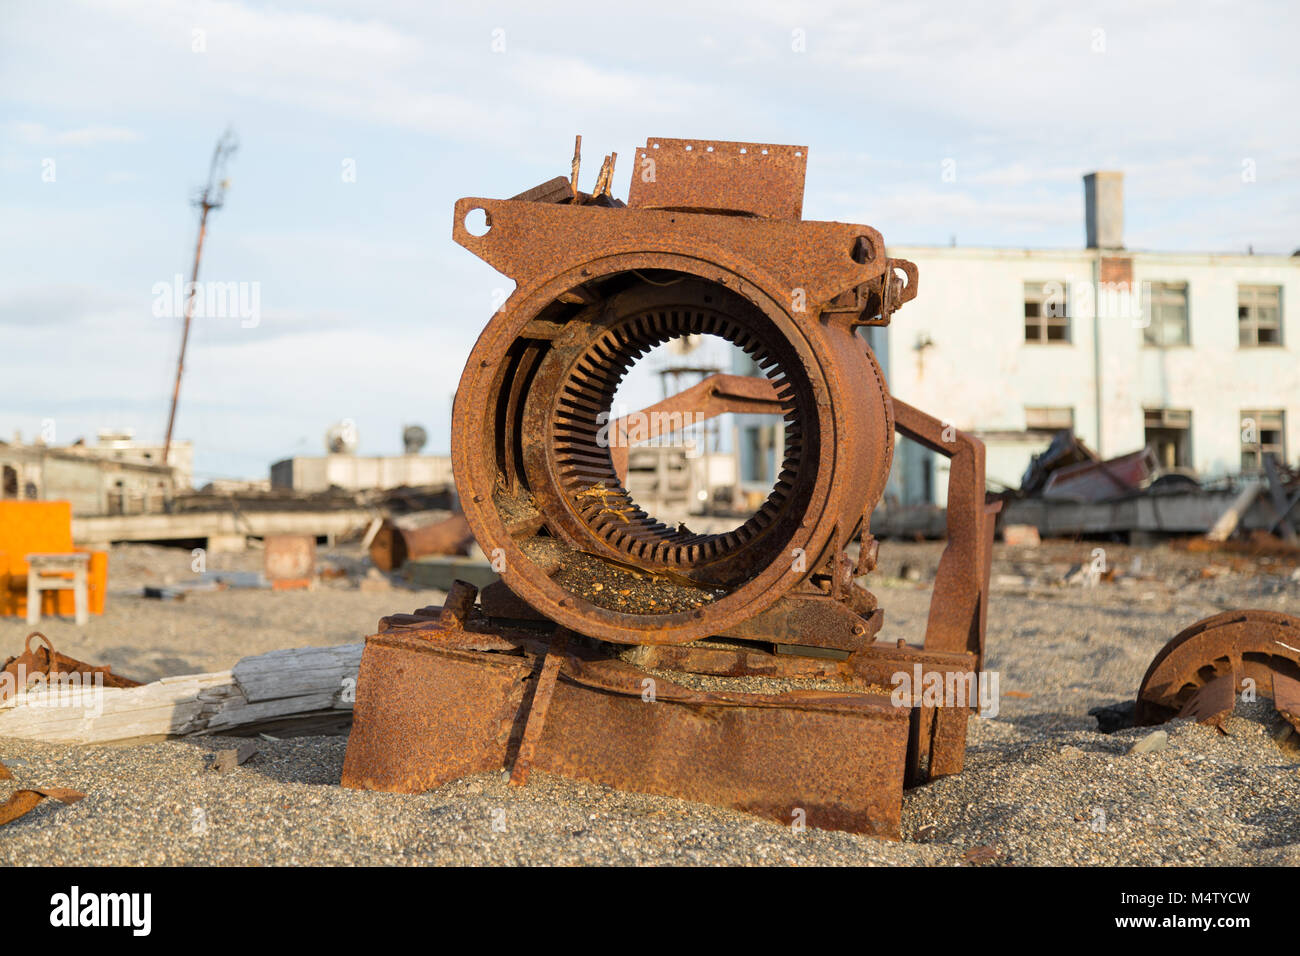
{"x":360,"y":124}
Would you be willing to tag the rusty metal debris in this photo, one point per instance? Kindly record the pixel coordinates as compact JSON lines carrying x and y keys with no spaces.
{"x":1068,"y":470}
{"x":25,"y":801}
{"x":47,"y":663}
{"x":1099,"y":480}
{"x":403,"y":539}
{"x":604,"y":652}
{"x":1198,"y":674}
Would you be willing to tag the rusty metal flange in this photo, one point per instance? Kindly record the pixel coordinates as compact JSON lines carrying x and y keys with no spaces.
{"x":1198,"y":673}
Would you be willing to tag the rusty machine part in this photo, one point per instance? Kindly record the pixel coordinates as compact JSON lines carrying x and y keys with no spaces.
{"x":601,"y":608}
{"x":17,"y":671}
{"x":1198,"y":674}
{"x":397,"y":542}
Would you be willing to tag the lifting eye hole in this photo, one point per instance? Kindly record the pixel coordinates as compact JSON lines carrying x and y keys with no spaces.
{"x":478,"y":222}
{"x":862,"y":251}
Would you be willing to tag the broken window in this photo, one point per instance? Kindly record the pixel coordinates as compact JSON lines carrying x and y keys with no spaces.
{"x":1047,"y":315}
{"x":1263,"y":432}
{"x":1166,"y":305}
{"x":1169,"y":434}
{"x":1259,"y":315}
{"x":1042,"y":418}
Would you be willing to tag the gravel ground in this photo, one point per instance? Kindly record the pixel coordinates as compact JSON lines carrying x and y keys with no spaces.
{"x":145,"y":639}
{"x":1041,"y":784}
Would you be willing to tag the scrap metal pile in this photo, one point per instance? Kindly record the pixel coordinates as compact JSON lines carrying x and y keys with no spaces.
{"x":743,"y":669}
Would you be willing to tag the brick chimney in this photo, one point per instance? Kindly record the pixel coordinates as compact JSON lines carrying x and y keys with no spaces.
{"x":1103,"y":200}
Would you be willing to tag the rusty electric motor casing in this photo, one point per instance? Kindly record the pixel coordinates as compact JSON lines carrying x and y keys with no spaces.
{"x":712,"y":242}
{"x":523,"y":676}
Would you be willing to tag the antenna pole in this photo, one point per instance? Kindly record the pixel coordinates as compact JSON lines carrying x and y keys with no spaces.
{"x":212,"y":197}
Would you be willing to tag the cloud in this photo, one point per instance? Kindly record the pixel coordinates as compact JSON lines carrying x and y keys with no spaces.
{"x":37,"y":134}
{"x":45,"y":307}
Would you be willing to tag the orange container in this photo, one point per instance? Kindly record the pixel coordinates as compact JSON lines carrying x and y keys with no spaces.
{"x":43,"y":527}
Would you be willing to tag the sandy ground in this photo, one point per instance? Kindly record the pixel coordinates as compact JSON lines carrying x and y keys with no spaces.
{"x":1041,"y":786}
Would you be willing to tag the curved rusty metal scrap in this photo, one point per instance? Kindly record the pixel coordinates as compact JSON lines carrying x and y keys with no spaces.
{"x":552,"y":673}
{"x":22,"y":802}
{"x":25,"y":801}
{"x":1198,"y":674}
{"x":47,"y":662}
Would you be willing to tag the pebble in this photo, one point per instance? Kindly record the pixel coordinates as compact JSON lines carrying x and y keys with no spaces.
{"x":1153,"y":742}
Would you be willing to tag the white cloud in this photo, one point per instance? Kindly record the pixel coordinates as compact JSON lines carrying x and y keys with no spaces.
{"x":37,"y":134}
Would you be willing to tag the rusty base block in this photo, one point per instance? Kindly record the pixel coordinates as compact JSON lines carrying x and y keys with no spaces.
{"x":437,"y":702}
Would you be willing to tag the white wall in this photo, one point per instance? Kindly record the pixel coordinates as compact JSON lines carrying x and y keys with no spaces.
{"x":355,"y":473}
{"x":979,"y":374}
{"x":1214,"y":377}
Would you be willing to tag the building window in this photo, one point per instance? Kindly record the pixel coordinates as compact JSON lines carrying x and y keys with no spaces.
{"x":1048,"y":419}
{"x":1047,"y":315}
{"x":1166,"y":307}
{"x":1263,"y":432}
{"x":1259,"y":315}
{"x":1169,"y":434}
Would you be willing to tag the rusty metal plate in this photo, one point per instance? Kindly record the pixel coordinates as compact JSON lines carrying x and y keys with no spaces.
{"x":425,"y":715}
{"x":1286,"y":698}
{"x":841,"y":764}
{"x":23,"y":802}
{"x":1213,"y":702}
{"x":762,"y":179}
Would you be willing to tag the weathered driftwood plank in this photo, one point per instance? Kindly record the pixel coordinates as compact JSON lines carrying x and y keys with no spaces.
{"x":268,"y":686}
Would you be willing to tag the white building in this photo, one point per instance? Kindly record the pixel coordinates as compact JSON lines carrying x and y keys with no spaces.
{"x":120,"y":445}
{"x":98,"y":480}
{"x":358,"y":473}
{"x":1197,"y":354}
